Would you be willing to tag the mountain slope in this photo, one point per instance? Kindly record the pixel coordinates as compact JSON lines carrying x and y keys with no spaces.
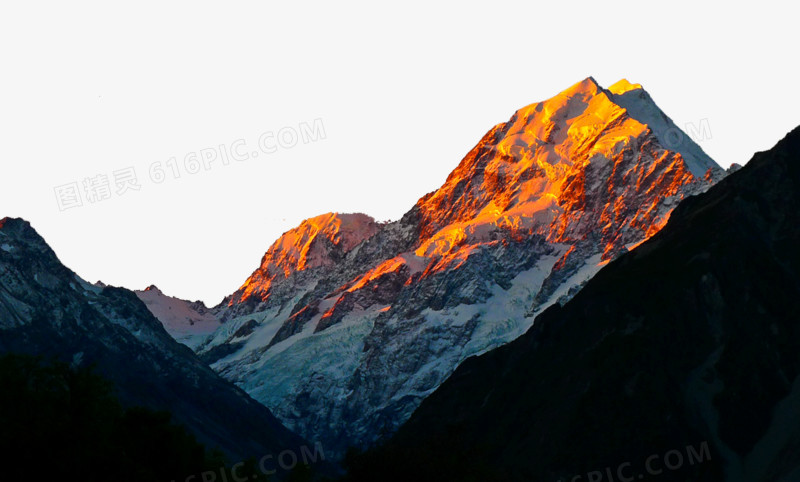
{"x":46,"y":309}
{"x":692,"y":338}
{"x":344,"y":349}
{"x":188,"y":322}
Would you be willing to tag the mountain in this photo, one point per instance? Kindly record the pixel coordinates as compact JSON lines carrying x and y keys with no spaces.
{"x":316,"y":245}
{"x":349,"y":324}
{"x":691,"y":340}
{"x":189,"y":322}
{"x":47,"y":310}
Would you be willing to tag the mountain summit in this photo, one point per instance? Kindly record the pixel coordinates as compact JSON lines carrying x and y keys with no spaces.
{"x":348,"y":324}
{"x":586,"y":161}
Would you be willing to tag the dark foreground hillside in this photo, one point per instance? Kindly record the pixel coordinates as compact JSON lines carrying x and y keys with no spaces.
{"x":60,"y":423}
{"x":678,"y":361}
{"x":47,"y":310}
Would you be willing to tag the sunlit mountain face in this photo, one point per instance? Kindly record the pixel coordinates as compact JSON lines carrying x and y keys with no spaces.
{"x":317,"y":242}
{"x":528,"y":177}
{"x":348,"y":324}
{"x":576,"y":164}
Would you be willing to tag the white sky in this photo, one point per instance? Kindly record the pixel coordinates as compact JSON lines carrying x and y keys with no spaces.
{"x":403,"y":92}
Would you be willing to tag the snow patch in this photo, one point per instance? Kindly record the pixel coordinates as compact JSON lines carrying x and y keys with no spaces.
{"x":189,"y":323}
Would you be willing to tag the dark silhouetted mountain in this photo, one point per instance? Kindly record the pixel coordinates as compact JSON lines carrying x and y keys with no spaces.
{"x":63,"y":423}
{"x":46,"y":309}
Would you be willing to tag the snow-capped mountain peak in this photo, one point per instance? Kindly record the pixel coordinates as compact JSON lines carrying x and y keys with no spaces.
{"x":534,"y":174}
{"x":348,"y":324}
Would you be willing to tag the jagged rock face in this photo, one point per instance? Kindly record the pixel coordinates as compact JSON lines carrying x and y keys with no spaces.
{"x":47,"y":310}
{"x":576,"y":166}
{"x":316,"y":244}
{"x":344,"y":351}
